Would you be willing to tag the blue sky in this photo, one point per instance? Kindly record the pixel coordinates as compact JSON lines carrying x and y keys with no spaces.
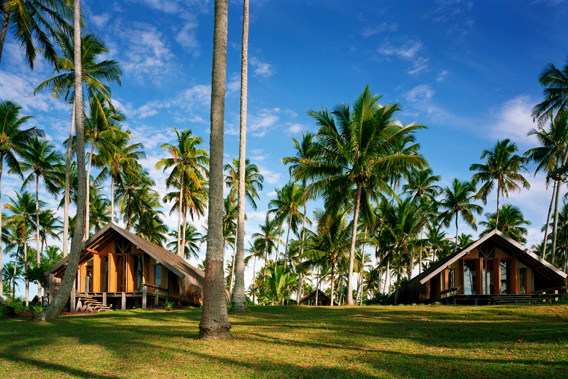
{"x":466,"y":69}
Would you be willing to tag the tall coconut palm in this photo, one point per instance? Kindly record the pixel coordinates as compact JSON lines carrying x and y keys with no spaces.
{"x":502,"y":167}
{"x":13,"y":139}
{"x":459,"y":200}
{"x":214,"y":318}
{"x":189,"y":170}
{"x":93,"y":74}
{"x":239,"y":300}
{"x":134,"y":194}
{"x":555,"y":93}
{"x":355,"y":150}
{"x":304,"y":153}
{"x":23,"y":210}
{"x":117,"y":159}
{"x":193,"y":239}
{"x":270,"y":235}
{"x":286,"y":208}
{"x":422,"y":183}
{"x":49,"y":226}
{"x":551,"y":156}
{"x":33,"y":22}
{"x":511,"y":222}
{"x":62,"y":296}
{"x":40,"y":159}
{"x":332,"y":240}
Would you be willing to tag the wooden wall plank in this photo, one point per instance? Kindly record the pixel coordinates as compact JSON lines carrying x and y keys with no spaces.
{"x":96,"y":272}
{"x":111,"y":272}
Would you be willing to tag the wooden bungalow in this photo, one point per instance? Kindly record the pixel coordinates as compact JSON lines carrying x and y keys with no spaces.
{"x":122,"y":270}
{"x":322,"y":299}
{"x":493,"y":270}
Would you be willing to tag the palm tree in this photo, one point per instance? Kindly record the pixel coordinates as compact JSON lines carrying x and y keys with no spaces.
{"x":239,"y":299}
{"x":510,"y":222}
{"x":256,"y":249}
{"x":551,"y":156}
{"x":49,"y":226}
{"x":189,"y":163}
{"x":61,"y":297}
{"x":134,"y":195}
{"x":32,"y":22}
{"x":459,"y":200}
{"x":40,"y":159}
{"x":421,"y":183}
{"x":13,"y":139}
{"x":304,"y":153}
{"x":286,"y":208}
{"x":193,"y":239}
{"x":269,"y":234}
{"x":93,"y":74}
{"x":23,"y":211}
{"x":53,"y":255}
{"x":120,"y":159}
{"x":503,"y":168}
{"x":352,"y":150}
{"x":555,"y":94}
{"x":214,"y":318}
{"x":331,"y":242}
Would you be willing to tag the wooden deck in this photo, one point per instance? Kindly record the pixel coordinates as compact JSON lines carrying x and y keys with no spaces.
{"x":500,"y":299}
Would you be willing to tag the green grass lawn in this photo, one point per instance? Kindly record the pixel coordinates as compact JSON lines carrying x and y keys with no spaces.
{"x":296,"y":342}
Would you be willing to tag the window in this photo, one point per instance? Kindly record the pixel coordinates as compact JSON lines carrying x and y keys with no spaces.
{"x":469,"y":277}
{"x":505,"y":277}
{"x":451,"y":278}
{"x":158,"y":275}
{"x":310,"y":302}
{"x":137,"y":272}
{"x":523,"y":280}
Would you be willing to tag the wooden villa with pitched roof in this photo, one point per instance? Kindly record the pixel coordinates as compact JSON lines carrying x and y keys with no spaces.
{"x":495,"y":269}
{"x":122,"y":270}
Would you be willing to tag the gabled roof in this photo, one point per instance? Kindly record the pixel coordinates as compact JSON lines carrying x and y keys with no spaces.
{"x":523,"y":254}
{"x":171,"y":261}
{"x":321,"y":295}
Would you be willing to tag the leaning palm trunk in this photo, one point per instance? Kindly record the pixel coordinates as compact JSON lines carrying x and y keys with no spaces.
{"x":1,"y":252}
{"x":38,"y":257}
{"x":332,"y":282}
{"x":544,"y":242}
{"x":254,"y":280}
{"x":180,"y":207}
{"x":68,"y":186}
{"x":112,"y":199}
{"x":233,"y":265}
{"x":302,"y":249}
{"x":4,"y":29}
{"x":183,"y":233}
{"x":555,"y":229}
{"x":239,"y":300}
{"x":352,"y":249}
{"x":56,"y":306}
{"x":88,"y":198}
{"x":287,"y":238}
{"x":456,"y":247}
{"x":214,"y":318}
{"x":25,"y":272}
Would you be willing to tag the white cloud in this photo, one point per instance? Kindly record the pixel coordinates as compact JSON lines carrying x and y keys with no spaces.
{"x":20,"y":90}
{"x":270,"y":177}
{"x":421,"y":92}
{"x":101,"y":20}
{"x":442,"y":76}
{"x":295,"y":128}
{"x":260,"y":68}
{"x":409,"y":51}
{"x":187,"y":38}
{"x":514,"y":120}
{"x":371,"y":31}
{"x":262,"y":122}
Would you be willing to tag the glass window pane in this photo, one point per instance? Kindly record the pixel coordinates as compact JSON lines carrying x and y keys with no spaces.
{"x":469,"y":277}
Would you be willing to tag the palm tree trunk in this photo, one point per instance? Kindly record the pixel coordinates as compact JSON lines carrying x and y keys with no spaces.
{"x":332,"y":283}
{"x":183,"y":232}
{"x":1,"y":252}
{"x":180,"y":207}
{"x":39,"y":291}
{"x":254,"y":280}
{"x":555,"y":230}
{"x":4,"y":29}
{"x":25,"y":272}
{"x":456,"y":247}
{"x":68,"y":186}
{"x":233,"y":265}
{"x":397,"y":283}
{"x":544,"y":243}
{"x":300,"y":279}
{"x":302,"y":246}
{"x":112,"y":199}
{"x":239,"y":300}
{"x":14,"y":278}
{"x":388,"y":278}
{"x":497,"y":218}
{"x":318,"y":281}
{"x":352,"y":249}
{"x":214,"y":318}
{"x":62,"y":296}
{"x":87,"y":207}
{"x":286,"y":245}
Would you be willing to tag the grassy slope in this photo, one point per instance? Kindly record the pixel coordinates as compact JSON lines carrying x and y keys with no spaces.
{"x":300,"y":342}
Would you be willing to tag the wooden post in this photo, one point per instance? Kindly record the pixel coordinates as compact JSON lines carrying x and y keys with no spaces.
{"x":123,"y":300}
{"x":83,"y":273}
{"x":96,"y":273}
{"x":87,"y":284}
{"x":462,"y":277}
{"x":144,"y":296}
{"x":157,"y":298}
{"x":51,"y":289}
{"x":497,"y":275}
{"x":479,"y":276}
{"x":130,"y":273}
{"x":111,"y":272}
{"x":72,"y":299}
{"x":514,"y":277}
{"x":104,"y":299}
